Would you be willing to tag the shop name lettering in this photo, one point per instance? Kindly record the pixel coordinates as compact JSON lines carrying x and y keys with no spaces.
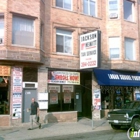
{"x":64,"y":77}
{"x":88,"y":37}
{"x":123,"y":77}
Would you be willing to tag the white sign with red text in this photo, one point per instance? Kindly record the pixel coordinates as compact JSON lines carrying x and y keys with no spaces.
{"x":64,"y":77}
{"x":17,"y":92}
{"x":89,"y":50}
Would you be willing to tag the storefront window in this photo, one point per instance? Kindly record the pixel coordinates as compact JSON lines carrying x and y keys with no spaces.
{"x":4,"y":95}
{"x":116,"y":97}
{"x":61,"y":98}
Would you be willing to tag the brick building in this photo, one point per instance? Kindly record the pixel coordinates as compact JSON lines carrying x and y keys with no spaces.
{"x":42,"y":38}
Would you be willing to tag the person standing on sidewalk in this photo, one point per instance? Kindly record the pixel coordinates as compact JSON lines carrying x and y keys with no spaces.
{"x":34,"y":114}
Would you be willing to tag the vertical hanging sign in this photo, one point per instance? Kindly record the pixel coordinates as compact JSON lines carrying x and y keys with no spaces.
{"x":97,"y":99}
{"x":17,"y":92}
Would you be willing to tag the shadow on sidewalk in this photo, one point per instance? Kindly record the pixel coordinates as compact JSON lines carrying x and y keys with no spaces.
{"x":50,"y":119}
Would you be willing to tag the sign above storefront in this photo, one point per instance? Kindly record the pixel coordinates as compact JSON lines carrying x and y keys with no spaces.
{"x":64,"y":77}
{"x":4,"y":70}
{"x":118,"y":78}
{"x":89,"y":50}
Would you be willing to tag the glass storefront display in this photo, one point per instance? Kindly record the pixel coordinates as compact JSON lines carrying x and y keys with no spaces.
{"x":115,"y":97}
{"x":61,"y":98}
{"x":4,"y":95}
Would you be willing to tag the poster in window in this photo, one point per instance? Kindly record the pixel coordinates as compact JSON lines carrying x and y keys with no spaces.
{"x":67,"y":96}
{"x":54,"y":87}
{"x":137,"y":96}
{"x":68,"y":87}
{"x":53,"y":97}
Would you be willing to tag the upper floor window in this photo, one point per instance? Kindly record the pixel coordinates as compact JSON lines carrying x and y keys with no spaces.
{"x":89,"y":7}
{"x":113,"y":8}
{"x":129,"y":49}
{"x":63,"y":41}
{"x":114,"y":47}
{"x":66,"y":4}
{"x":23,"y":31}
{"x":128,"y":10}
{"x":1,"y":29}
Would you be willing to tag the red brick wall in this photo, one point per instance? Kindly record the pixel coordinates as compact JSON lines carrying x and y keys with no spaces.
{"x":4,"y":121}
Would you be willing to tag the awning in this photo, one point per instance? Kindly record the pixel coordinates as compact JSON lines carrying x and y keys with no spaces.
{"x":117,"y":78}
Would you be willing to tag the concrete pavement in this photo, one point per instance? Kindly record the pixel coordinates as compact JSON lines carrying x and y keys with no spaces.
{"x":53,"y":129}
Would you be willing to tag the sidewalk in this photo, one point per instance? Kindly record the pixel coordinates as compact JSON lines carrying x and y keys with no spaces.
{"x":53,"y":129}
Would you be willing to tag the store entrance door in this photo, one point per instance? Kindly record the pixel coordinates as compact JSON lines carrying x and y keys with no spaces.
{"x":78,"y":102}
{"x":28,"y":94}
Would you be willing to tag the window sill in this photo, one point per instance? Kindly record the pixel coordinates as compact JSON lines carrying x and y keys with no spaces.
{"x":22,"y":46}
{"x":65,"y":54}
{"x":90,"y":16}
{"x":64,"y":9}
{"x":113,"y":59}
{"x":130,"y":21}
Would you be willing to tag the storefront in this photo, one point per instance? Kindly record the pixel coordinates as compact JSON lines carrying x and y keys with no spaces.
{"x":64,"y":98}
{"x":12,"y":93}
{"x":5,"y":76}
{"x":117,"y":88}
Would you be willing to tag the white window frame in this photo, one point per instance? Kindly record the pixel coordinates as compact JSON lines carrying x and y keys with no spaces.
{"x":71,"y":1}
{"x":89,"y":8}
{"x":64,"y":35}
{"x":113,"y":13}
{"x":132,"y":16}
{"x":133,"y":52}
{"x":2,"y":36}
{"x":23,"y":45}
{"x":114,"y":43}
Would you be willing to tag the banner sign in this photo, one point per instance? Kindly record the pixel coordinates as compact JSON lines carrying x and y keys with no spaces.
{"x":17,"y":92}
{"x":89,"y":50}
{"x":64,"y":77}
{"x":97,"y":99}
{"x":4,"y":71}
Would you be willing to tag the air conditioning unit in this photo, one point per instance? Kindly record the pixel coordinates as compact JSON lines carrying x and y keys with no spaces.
{"x":1,"y":40}
{"x":113,"y":15}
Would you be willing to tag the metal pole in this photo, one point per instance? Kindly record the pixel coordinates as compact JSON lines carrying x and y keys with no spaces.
{"x":92,"y":119}
{"x":92,"y":109}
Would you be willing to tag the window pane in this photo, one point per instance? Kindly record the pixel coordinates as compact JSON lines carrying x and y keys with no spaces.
{"x":129,"y":50}
{"x":64,"y":41}
{"x":92,"y":8}
{"x":68,"y":48}
{"x":114,"y":53}
{"x":113,"y":5}
{"x":23,"y":31}
{"x":85,"y":6}
{"x":59,"y":43}
{"x":59,"y":3}
{"x":67,"y":4}
{"x":128,"y":10}
{"x":1,"y":29}
{"x":114,"y":45}
{"x":63,"y":32}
